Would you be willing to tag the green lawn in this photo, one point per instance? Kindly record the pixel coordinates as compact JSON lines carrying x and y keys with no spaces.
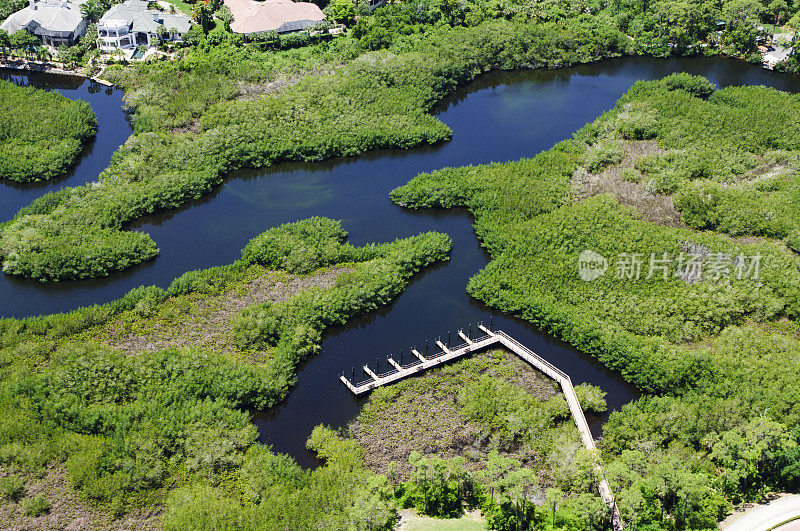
{"x":181,"y":6}
{"x":424,"y":523}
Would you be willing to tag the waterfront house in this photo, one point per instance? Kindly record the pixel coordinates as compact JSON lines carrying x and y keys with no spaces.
{"x":131,"y":24}
{"x":54,"y":22}
{"x":280,"y":16}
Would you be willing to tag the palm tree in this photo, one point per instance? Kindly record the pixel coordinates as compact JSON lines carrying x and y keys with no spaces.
{"x":202,"y":15}
{"x":92,"y":10}
{"x":43,"y":53}
{"x":5,"y":42}
{"x":162,"y":31}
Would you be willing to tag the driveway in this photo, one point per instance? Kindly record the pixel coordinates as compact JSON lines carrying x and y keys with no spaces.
{"x":768,"y":515}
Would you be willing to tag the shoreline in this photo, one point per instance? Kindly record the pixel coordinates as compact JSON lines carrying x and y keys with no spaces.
{"x":25,"y":65}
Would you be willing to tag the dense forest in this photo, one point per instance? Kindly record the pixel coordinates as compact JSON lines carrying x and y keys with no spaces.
{"x":41,"y":132}
{"x":714,"y":345}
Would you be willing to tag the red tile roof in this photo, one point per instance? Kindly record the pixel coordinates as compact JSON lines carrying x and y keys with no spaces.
{"x":250,"y":16}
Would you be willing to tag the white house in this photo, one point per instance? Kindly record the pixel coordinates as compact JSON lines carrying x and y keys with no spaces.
{"x":131,"y":24}
{"x":55,"y":22}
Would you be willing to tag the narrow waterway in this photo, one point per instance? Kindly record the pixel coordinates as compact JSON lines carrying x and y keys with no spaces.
{"x":499,"y":117}
{"x":112,"y":131}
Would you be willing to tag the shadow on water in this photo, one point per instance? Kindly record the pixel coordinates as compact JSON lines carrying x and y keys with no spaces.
{"x":501,"y":116}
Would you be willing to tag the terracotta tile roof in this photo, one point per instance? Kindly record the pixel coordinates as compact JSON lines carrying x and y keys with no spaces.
{"x":250,"y":16}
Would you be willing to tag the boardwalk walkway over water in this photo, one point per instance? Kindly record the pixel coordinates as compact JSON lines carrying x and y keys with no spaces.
{"x":422,"y":362}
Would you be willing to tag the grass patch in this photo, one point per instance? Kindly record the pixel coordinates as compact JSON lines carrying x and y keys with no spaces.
{"x":423,"y":523}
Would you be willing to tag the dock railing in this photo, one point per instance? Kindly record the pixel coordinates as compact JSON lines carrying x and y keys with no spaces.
{"x":447,"y":353}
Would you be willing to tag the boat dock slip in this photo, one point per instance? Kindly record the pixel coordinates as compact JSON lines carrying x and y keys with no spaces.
{"x":421,"y":362}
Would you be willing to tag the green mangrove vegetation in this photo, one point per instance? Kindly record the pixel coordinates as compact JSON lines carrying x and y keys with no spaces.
{"x":143,"y":401}
{"x":227,"y":102}
{"x":683,"y":196}
{"x":378,"y":99}
{"x":488,"y":432}
{"x":41,"y":132}
{"x":509,"y":430}
{"x":703,"y":322}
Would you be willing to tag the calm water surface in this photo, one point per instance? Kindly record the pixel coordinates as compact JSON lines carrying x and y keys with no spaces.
{"x":112,"y":131}
{"x":499,"y":117}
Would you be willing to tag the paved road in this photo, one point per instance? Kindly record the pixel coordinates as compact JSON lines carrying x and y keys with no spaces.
{"x":768,"y":515}
{"x":794,"y":525}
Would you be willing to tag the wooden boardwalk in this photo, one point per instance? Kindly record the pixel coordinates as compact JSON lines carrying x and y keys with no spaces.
{"x":422,"y":363}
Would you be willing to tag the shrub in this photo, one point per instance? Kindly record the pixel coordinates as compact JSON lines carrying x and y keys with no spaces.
{"x":793,"y":240}
{"x":42,"y":132}
{"x":36,"y":505}
{"x":201,"y":507}
{"x":12,"y":488}
{"x":299,"y":247}
{"x":638,"y":123}
{"x":591,"y":398}
{"x":697,"y":86}
{"x":606,"y":153}
{"x":630,"y":175}
{"x":665,"y":182}
{"x":699,"y":206}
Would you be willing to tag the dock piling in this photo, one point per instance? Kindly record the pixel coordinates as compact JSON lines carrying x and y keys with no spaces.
{"x":491,"y":339}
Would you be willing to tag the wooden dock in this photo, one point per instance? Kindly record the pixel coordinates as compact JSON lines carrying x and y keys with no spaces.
{"x":445,"y":354}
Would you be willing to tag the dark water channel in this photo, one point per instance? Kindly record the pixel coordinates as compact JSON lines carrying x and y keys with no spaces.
{"x":499,"y":117}
{"x":112,"y":130}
